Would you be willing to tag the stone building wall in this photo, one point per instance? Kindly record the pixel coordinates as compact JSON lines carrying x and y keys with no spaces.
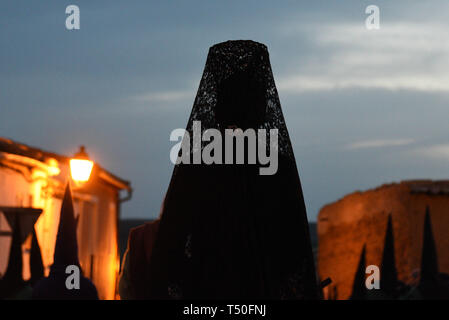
{"x":359,"y":219}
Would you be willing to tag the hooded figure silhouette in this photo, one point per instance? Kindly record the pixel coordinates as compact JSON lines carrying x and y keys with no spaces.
{"x":359,"y":291}
{"x":433,"y":285}
{"x":66,"y":254}
{"x":36,"y":264}
{"x":12,"y":285}
{"x":226,"y":231}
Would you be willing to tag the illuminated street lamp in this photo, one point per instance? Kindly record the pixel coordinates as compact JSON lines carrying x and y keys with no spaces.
{"x":81,"y":166}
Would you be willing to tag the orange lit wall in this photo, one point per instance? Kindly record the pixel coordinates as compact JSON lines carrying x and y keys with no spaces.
{"x":361,"y":218}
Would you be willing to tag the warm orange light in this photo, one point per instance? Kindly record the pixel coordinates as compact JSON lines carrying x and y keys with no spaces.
{"x":81,"y":169}
{"x":53,"y":167}
{"x":81,"y":166}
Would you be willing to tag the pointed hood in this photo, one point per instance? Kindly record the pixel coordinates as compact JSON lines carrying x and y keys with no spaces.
{"x":359,"y":287}
{"x":389,"y":276}
{"x":36,"y":264}
{"x":14,"y":270}
{"x":66,"y":248}
{"x":54,"y":287}
{"x":429,"y":259}
{"x":12,"y":279}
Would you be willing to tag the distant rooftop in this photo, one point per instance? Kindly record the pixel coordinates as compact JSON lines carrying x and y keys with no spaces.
{"x":13,"y":147}
{"x":429,"y":186}
{"x":416,"y":186}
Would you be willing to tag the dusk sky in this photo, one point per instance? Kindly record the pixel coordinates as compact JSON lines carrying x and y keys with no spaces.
{"x":363,"y":107}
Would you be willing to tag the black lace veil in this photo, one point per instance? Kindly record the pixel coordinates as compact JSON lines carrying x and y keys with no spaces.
{"x":226,"y":231}
{"x":225,"y":59}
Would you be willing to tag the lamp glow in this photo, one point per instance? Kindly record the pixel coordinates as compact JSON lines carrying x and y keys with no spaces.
{"x":81,"y":166}
{"x":81,"y":169}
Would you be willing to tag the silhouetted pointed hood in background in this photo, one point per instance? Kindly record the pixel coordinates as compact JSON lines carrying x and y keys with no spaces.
{"x":359,"y":287}
{"x":12,"y":279}
{"x":66,"y":253}
{"x":36,"y":264}
{"x":388,"y":273}
{"x":429,"y":258}
{"x":66,"y":248}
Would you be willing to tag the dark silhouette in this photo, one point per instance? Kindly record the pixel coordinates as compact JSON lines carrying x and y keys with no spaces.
{"x":432,"y":284}
{"x":390,"y":286}
{"x":359,"y":290}
{"x":136,"y":262}
{"x":12,"y":285}
{"x":429,"y":258}
{"x":226,"y":231}
{"x":388,"y":273}
{"x":66,"y":253}
{"x":36,"y":264}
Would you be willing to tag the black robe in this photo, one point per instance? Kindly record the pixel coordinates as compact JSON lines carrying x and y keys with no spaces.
{"x":226,"y":231}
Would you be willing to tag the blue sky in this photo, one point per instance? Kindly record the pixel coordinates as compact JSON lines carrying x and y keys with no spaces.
{"x":362,"y":107}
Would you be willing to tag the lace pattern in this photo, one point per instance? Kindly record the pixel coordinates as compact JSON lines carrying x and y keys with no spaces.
{"x":225,"y":59}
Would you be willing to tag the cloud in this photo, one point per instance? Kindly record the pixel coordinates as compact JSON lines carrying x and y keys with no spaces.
{"x":401,"y":56}
{"x":438,"y":151}
{"x":165,"y":96}
{"x":381,"y":143}
{"x":300,"y":84}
